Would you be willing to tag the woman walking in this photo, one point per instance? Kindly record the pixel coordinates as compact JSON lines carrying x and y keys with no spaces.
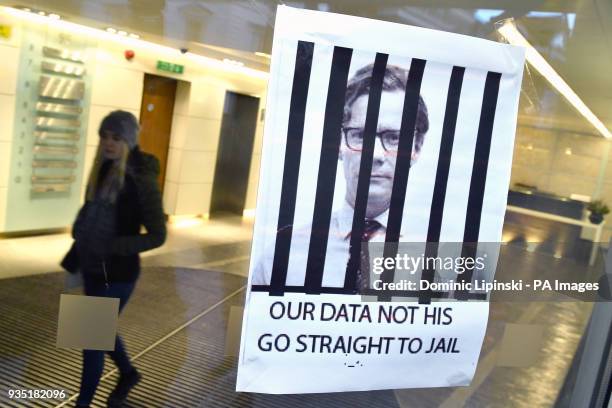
{"x":122,"y":195}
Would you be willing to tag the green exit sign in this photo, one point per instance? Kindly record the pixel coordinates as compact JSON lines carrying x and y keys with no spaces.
{"x":170,"y":67}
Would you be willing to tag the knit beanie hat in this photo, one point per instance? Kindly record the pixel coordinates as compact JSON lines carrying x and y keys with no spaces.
{"x":122,"y":123}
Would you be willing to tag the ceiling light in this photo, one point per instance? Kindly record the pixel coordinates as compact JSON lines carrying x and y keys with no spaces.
{"x":122,"y":33}
{"x":162,"y":50}
{"x":263,"y":54}
{"x":26,"y":9}
{"x":513,"y":36}
{"x":54,"y":16}
{"x":41,"y":13}
{"x":111,"y":30}
{"x":136,"y":36}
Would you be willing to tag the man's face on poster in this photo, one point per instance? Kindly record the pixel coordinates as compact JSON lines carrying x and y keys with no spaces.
{"x":385,"y":150}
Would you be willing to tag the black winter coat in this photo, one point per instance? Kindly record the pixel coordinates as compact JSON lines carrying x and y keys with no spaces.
{"x":138,"y":204}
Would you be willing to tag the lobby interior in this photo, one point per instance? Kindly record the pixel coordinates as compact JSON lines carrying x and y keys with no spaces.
{"x":177,"y":326}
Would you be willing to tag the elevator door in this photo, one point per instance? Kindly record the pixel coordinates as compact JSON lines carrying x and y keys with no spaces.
{"x":234,"y":154}
{"x":156,"y":119}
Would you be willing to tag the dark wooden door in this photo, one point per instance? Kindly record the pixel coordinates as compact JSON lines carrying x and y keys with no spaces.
{"x":234,"y":154}
{"x":156,"y":119}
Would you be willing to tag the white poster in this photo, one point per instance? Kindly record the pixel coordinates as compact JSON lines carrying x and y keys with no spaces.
{"x":375,"y":133}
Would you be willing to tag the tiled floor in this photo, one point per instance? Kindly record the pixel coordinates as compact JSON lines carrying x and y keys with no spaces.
{"x":195,"y":278}
{"x":42,"y":254}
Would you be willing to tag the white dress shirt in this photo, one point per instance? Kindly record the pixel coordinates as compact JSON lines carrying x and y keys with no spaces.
{"x":336,"y":257}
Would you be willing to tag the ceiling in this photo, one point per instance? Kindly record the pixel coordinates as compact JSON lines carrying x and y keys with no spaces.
{"x":574,"y":36}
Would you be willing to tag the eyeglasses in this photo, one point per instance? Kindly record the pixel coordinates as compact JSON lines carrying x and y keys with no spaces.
{"x":353,"y":138}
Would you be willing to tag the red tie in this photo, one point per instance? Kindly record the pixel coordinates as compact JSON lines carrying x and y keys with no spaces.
{"x":370,"y":228}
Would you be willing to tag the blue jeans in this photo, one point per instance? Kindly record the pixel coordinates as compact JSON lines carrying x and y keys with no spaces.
{"x":93,"y":360}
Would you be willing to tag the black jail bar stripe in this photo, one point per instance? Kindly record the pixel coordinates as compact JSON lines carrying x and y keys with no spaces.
{"x":293,"y":153}
{"x":402,"y":166}
{"x":442,"y":171}
{"x":326,"y":180}
{"x":479,"y":173}
{"x":365,"y":170}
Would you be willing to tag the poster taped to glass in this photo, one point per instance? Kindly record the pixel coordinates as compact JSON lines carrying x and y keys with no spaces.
{"x":382,"y":142}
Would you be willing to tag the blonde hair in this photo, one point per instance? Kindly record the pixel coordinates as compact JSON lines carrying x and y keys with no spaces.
{"x":94,"y":175}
